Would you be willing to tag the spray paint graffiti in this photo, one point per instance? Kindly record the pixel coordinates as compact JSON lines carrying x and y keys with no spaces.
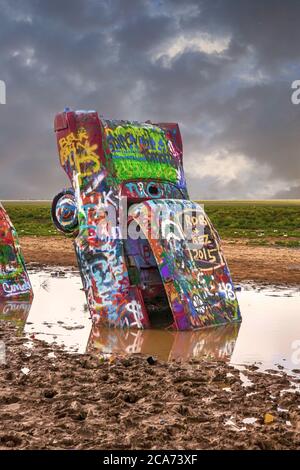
{"x":145,"y":147}
{"x":148,"y":256}
{"x":14,"y":280}
{"x":199,"y":288}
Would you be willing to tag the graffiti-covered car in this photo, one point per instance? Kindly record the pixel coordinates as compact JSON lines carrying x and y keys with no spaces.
{"x":148,"y":255}
{"x":14,"y":279}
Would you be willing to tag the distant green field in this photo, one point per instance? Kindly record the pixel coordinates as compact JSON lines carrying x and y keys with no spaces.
{"x":31,"y":218}
{"x":259,"y":221}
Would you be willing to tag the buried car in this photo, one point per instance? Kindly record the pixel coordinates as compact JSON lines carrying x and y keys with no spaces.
{"x":14,"y":279}
{"x":148,"y":256}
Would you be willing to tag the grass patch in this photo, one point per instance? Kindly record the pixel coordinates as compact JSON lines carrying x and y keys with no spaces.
{"x":31,"y":218}
{"x":255,"y":219}
{"x":288,"y":243}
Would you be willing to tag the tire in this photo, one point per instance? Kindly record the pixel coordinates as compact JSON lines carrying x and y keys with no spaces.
{"x":64,"y":212}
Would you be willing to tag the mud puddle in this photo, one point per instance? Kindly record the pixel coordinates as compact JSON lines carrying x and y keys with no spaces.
{"x":269,"y":334}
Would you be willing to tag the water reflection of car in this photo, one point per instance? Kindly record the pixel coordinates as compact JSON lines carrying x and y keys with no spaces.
{"x":15,"y":311}
{"x":14,"y":279}
{"x":213,"y":343}
{"x":148,"y":255}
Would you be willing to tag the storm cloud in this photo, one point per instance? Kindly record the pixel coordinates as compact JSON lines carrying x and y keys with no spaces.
{"x":222,"y":69}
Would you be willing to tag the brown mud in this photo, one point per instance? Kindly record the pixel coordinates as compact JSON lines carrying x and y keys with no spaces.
{"x":268,"y":264}
{"x":87,"y":402}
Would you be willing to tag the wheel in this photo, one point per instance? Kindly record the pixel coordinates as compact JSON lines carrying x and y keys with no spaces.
{"x":64,"y":212}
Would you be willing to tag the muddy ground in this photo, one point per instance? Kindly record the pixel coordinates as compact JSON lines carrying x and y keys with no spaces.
{"x":86,"y":402}
{"x":269,"y":264}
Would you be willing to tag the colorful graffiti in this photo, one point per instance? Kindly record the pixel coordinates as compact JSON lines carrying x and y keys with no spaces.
{"x":14,"y":280}
{"x":198,"y":285}
{"x":64,"y":212}
{"x":140,"y":151}
{"x":148,"y":256}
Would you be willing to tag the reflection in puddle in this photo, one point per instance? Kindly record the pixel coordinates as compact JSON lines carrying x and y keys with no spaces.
{"x":16,"y":312}
{"x":216,"y":343}
{"x":270,"y":326}
{"x":59,"y":313}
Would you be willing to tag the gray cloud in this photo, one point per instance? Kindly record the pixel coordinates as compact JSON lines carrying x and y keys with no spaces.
{"x":291,"y":193}
{"x":222,"y":69}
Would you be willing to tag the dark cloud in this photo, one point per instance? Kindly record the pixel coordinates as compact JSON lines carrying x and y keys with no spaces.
{"x":223,"y":69}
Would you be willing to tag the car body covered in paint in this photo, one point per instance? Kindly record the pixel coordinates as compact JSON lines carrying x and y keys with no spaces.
{"x":14,"y":279}
{"x":148,"y":255}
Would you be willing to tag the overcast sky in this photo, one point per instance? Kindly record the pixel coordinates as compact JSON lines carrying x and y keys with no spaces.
{"x":222,"y":69}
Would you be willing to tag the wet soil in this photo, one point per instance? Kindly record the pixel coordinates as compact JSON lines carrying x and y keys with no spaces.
{"x":269,"y":264}
{"x":69,"y":401}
